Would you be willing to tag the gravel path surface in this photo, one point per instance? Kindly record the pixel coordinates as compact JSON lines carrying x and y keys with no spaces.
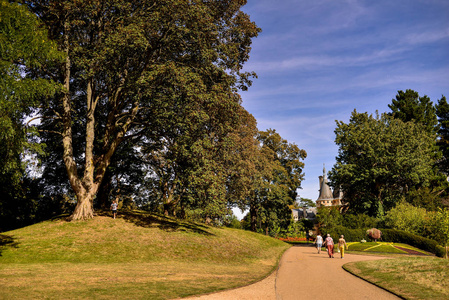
{"x":305,"y":274}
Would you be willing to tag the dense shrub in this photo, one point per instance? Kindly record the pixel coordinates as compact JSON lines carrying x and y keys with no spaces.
{"x":408,"y":218}
{"x":351,"y":235}
{"x":399,"y":236}
{"x":355,"y":221}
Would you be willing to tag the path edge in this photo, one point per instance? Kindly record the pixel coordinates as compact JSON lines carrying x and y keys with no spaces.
{"x":369,"y":281}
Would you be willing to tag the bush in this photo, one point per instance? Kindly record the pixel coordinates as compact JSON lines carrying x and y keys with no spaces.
{"x":351,"y":235}
{"x":355,"y":221}
{"x":399,"y":236}
{"x":408,"y":218}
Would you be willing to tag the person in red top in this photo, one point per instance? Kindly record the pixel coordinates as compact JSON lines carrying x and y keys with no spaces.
{"x":329,"y":242}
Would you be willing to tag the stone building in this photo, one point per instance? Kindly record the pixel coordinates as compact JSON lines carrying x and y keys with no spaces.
{"x":308,"y":213}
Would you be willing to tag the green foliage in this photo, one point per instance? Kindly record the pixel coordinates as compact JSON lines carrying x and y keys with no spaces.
{"x":429,"y":197}
{"x":306,"y":202}
{"x":440,"y":227}
{"x":279,"y":175}
{"x":408,"y":218}
{"x":329,"y":218}
{"x":295,"y":229}
{"x":24,"y":49}
{"x":162,"y":75}
{"x":355,"y":221}
{"x":379,"y":160}
{"x":232,"y":222}
{"x":351,"y":235}
{"x":442,"y":111}
{"x":410,"y":107}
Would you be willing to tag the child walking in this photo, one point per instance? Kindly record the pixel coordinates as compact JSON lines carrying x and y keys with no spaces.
{"x":114,"y":207}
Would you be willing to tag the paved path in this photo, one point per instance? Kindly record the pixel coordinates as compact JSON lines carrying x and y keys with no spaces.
{"x":305,"y":274}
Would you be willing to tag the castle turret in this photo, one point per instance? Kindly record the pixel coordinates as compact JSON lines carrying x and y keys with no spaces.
{"x":326,"y":196}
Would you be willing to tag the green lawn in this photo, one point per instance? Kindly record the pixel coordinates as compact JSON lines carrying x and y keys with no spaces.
{"x":137,"y":256}
{"x":411,"y":277}
{"x":145,"y":256}
{"x":383,"y":247}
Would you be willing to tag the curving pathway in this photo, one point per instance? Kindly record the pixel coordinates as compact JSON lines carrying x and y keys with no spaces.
{"x":305,"y":274}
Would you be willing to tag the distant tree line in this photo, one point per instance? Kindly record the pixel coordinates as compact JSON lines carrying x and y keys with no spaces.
{"x":136,"y":101}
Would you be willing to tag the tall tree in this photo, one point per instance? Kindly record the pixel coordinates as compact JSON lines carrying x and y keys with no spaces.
{"x":24,"y":49}
{"x":276,"y":189}
{"x":122,"y":56}
{"x":410,"y":107}
{"x":380,"y":159}
{"x":442,"y":111}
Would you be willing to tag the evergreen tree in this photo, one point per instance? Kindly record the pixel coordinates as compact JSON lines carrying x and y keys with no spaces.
{"x":442,"y":111}
{"x":410,"y":107}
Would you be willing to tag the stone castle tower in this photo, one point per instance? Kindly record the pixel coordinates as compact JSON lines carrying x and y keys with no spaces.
{"x":327,"y":197}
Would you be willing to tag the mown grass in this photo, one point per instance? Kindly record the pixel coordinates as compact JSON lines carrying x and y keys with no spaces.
{"x":137,"y":256}
{"x":383,"y":247}
{"x":411,"y":277}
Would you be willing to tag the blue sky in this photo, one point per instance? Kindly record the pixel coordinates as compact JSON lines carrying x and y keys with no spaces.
{"x":319,"y":60}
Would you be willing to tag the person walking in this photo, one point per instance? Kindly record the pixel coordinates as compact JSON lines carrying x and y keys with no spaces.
{"x":342,"y":245}
{"x":114,"y":207}
{"x":329,"y":242}
{"x":319,"y":243}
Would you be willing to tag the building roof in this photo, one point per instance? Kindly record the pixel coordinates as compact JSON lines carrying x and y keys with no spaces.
{"x":325,"y":190}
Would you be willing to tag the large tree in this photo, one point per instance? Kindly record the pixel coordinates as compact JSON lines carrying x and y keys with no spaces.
{"x":125,"y":57}
{"x":380,"y":159}
{"x":280,"y":175}
{"x":24,"y":49}
{"x":408,"y":106}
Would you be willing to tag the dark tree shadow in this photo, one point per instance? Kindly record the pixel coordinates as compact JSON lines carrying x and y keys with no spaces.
{"x":7,"y":241}
{"x":152,"y":220}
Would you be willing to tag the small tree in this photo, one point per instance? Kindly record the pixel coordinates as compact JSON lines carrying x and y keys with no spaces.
{"x":329,"y":217}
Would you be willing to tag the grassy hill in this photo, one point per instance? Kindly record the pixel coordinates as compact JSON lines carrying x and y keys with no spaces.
{"x":137,"y":256}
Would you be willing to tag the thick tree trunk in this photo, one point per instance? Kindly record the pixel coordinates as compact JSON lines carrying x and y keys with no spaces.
{"x":84,"y":208}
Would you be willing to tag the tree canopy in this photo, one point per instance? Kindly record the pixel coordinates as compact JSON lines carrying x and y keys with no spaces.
{"x":408,"y":106}
{"x":130,"y":67}
{"x":24,"y":50}
{"x":380,"y":159}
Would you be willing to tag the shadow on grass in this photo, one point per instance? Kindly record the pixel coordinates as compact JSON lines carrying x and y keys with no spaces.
{"x":6,"y":240}
{"x":151,"y":220}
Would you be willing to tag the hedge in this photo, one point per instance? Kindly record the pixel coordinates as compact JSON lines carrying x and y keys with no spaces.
{"x":351,"y":235}
{"x":388,"y":235}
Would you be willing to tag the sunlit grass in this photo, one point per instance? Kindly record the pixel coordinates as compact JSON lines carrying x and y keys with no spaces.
{"x":411,"y":277}
{"x":139,"y":256}
{"x":383,"y":247}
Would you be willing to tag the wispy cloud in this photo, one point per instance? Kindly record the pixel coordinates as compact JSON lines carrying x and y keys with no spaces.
{"x":319,"y":60}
